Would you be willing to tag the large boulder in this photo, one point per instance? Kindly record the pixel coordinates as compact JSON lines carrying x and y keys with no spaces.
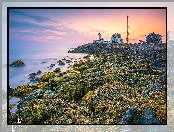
{"x":128,"y":117}
{"x":17,"y":63}
{"x":148,"y":117}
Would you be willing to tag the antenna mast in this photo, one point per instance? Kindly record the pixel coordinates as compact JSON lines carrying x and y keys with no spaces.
{"x":127,"y":31}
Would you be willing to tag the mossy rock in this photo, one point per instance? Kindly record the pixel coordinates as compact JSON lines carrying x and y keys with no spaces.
{"x":87,"y":96}
{"x":46,"y":77}
{"x":57,"y":70}
{"x":22,"y":91}
{"x":17,"y":63}
{"x":61,"y":63}
{"x":11,"y":106}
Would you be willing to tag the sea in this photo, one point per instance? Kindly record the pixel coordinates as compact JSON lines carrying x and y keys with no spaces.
{"x":33,"y":59}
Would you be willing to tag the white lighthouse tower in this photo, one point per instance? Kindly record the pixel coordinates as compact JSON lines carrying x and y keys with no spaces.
{"x":99,"y":36}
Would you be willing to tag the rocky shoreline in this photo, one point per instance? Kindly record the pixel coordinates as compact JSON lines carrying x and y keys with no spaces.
{"x":121,"y":85}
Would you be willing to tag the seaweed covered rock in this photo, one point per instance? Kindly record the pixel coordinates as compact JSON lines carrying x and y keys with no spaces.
{"x":86,"y":57}
{"x":17,"y":63}
{"x":102,"y":90}
{"x":46,"y":77}
{"x":61,"y":62}
{"x":57,"y":70}
{"x":22,"y":91}
{"x":13,"y":118}
{"x":11,"y":106}
{"x":33,"y":95}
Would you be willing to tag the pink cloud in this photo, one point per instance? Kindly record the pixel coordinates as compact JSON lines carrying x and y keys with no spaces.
{"x":42,"y":38}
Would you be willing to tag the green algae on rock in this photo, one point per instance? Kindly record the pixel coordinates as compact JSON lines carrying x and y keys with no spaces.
{"x":11,"y":106}
{"x":17,"y":63}
{"x":57,"y":70}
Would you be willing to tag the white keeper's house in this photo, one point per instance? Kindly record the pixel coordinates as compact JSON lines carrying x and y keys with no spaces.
{"x":116,"y":38}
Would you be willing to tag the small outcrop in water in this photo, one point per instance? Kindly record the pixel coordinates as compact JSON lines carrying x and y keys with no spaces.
{"x":57,"y":70}
{"x":17,"y":63}
{"x":68,"y":61}
{"x":39,"y":72}
{"x":31,"y":77}
{"x":33,"y":74}
{"x":61,"y":62}
{"x":52,"y":65}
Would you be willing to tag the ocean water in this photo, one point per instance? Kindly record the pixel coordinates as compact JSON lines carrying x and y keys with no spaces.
{"x":33,"y":59}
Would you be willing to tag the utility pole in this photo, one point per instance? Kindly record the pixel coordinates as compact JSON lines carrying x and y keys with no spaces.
{"x":127,"y":31}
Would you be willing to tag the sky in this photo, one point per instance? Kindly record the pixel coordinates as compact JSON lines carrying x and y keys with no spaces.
{"x":72,"y":27}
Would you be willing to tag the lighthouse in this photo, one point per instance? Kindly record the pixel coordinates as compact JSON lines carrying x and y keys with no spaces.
{"x":99,"y":36}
